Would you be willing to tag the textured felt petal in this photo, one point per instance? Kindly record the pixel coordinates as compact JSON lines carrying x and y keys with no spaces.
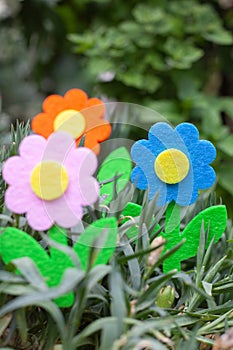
{"x":32,"y":148}
{"x":94,"y":110}
{"x":166,"y":135}
{"x":206,"y":178}
{"x":93,"y":101}
{"x":188,"y":132}
{"x":147,"y":166}
{"x":139,"y":178}
{"x":59,"y":145}
{"x":89,"y":190}
{"x":187,"y":190}
{"x":76,"y":99}
{"x":18,"y":199}
{"x":15,"y":171}
{"x":206,"y":152}
{"x":53,"y":105}
{"x":97,"y":130}
{"x":64,"y":211}
{"x":87,"y":161}
{"x":38,"y":216}
{"x":141,"y":152}
{"x":157,"y":186}
{"x":145,"y":159}
{"x":42,"y":124}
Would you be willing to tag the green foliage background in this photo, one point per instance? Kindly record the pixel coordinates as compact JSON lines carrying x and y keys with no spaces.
{"x":174,"y":56}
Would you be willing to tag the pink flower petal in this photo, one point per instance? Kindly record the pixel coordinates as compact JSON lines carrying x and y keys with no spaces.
{"x":88,"y":188}
{"x":32,"y":148}
{"x":38,"y":216}
{"x":16,"y":171}
{"x":18,"y":199}
{"x":65,"y":213}
{"x":58,"y":147}
{"x":81,"y":162}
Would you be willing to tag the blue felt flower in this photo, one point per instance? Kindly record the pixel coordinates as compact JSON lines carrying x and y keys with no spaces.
{"x":173,"y":163}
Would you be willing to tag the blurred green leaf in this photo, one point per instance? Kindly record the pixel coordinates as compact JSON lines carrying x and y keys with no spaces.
{"x":220,"y":36}
{"x":225,"y":176}
{"x":226,"y":145}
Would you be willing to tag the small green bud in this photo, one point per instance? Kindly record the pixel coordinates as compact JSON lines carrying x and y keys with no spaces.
{"x":166,"y":297}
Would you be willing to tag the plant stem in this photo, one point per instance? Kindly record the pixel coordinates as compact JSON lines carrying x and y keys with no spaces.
{"x":172,"y":235}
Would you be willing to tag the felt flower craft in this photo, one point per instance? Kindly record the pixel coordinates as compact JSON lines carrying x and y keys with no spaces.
{"x":173,"y":163}
{"x":50,"y":180}
{"x":75,"y":114}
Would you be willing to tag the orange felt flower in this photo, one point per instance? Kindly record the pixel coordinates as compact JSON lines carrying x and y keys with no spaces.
{"x":76,"y":114}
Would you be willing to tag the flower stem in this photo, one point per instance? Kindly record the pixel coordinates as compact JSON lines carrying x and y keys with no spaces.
{"x":172,"y":235}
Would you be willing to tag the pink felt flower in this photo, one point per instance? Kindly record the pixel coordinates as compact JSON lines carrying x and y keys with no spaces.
{"x":51,"y":180}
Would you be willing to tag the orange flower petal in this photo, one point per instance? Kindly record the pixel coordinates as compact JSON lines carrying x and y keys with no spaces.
{"x":94,"y":101}
{"x":93,"y":112}
{"x":53,"y":105}
{"x":96,"y":134}
{"x":42,"y":125}
{"x":76,"y":99}
{"x":90,"y":143}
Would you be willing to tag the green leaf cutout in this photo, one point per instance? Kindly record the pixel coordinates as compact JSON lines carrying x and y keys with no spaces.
{"x":101,"y":237}
{"x":15,"y":244}
{"x":117,"y":163}
{"x":131,"y":210}
{"x":215,"y":221}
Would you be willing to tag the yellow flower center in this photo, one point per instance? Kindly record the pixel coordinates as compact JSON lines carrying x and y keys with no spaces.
{"x":49,"y":180}
{"x":71,"y":121}
{"x":171,"y":166}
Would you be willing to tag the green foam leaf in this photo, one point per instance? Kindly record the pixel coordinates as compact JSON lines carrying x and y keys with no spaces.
{"x":215,"y":221}
{"x":16,"y":244}
{"x":131,"y":210}
{"x":116,"y":163}
{"x":100,"y":236}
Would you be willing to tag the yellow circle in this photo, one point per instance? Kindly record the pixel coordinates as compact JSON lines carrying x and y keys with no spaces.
{"x":171,"y":166}
{"x":49,"y":180}
{"x":71,"y":121}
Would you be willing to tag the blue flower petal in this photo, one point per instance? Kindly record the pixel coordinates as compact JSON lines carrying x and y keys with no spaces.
{"x":157,"y":186}
{"x":139,"y":179}
{"x":163,"y":134}
{"x":205,"y":177}
{"x":138,"y":151}
{"x":187,"y":190}
{"x":188,"y":133}
{"x":205,"y":153}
